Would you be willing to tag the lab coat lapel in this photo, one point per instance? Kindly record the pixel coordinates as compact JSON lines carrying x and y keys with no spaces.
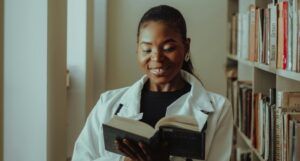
{"x":130,"y":101}
{"x":196,"y":103}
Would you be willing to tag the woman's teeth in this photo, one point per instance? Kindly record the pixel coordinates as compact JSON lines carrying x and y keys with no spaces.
{"x":157,"y":71}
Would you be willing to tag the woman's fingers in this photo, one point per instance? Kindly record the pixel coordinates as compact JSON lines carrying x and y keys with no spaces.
{"x":125,"y":150}
{"x":136,"y":149}
{"x":146,"y":150}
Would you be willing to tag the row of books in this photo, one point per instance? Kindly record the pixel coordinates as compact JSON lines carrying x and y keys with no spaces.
{"x":271,"y":121}
{"x":288,"y":125}
{"x":268,"y":35}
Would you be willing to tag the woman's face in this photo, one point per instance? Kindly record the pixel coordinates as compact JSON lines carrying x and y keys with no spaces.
{"x":161,"y":52}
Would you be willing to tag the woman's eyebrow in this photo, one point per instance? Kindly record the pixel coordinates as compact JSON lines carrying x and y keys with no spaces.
{"x":169,"y":41}
{"x":146,"y":43}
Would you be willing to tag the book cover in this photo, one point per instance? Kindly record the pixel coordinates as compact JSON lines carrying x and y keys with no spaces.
{"x":179,"y":133}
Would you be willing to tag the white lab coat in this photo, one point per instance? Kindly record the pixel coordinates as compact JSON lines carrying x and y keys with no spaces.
{"x":203,"y":105}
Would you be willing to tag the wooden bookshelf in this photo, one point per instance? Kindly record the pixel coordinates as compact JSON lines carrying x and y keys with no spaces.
{"x":262,"y":76}
{"x":283,"y":73}
{"x":288,"y":74}
{"x":249,"y":144}
{"x":265,"y":67}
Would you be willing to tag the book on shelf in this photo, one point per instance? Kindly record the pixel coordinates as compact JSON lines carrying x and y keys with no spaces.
{"x":233,"y":38}
{"x":267,"y":120}
{"x":288,"y":99}
{"x":283,"y":32}
{"x":273,"y":35}
{"x":269,"y":35}
{"x":252,"y":18}
{"x":292,"y":34}
{"x":266,"y":37}
{"x":288,"y":115}
{"x":296,"y":142}
{"x":288,"y":119}
{"x":258,"y":37}
{"x":244,"y":107}
{"x":261,"y":136}
{"x":180,"y":133}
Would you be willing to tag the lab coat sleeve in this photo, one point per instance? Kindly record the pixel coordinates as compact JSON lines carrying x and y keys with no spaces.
{"x":90,"y":140}
{"x":222,"y":142}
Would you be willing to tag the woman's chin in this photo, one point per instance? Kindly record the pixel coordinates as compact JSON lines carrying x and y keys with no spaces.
{"x":160,"y":80}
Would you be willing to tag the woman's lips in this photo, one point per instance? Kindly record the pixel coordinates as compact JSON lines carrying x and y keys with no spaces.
{"x":158,"y":71}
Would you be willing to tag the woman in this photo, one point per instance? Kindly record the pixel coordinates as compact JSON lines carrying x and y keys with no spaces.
{"x":169,"y":87}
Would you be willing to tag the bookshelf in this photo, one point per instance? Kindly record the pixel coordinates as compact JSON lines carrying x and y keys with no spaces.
{"x":264,"y":72}
{"x":247,"y":141}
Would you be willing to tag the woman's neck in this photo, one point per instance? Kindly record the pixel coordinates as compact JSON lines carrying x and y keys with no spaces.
{"x":174,"y":85}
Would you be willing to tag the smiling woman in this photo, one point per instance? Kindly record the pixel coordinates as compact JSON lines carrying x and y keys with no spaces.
{"x":167,"y":88}
{"x":161,"y":53}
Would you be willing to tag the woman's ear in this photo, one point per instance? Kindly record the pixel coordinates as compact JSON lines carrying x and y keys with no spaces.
{"x":187,"y":45}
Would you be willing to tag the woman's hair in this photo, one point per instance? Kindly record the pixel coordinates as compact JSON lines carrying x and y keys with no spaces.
{"x":172,"y":17}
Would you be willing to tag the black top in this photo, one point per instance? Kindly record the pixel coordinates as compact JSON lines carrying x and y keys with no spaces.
{"x":154,"y":104}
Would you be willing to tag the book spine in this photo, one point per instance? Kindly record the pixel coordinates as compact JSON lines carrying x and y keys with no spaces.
{"x":273,"y":36}
{"x":297,"y":142}
{"x":280,"y":36}
{"x":294,"y":36}
{"x":267,"y":37}
{"x":252,"y":34}
{"x":278,"y":147}
{"x":272,"y":132}
{"x":267,"y":131}
{"x":257,"y":35}
{"x":290,"y":32}
{"x":298,"y":43}
{"x":279,"y":98}
{"x":239,"y":34}
{"x":285,"y":35}
{"x":272,"y":106}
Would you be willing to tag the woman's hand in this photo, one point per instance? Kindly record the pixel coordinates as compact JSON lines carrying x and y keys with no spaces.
{"x":141,"y":152}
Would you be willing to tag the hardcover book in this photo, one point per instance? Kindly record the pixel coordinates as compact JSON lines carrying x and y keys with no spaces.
{"x":180,"y":134}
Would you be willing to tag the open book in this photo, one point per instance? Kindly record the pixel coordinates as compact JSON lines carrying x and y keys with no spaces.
{"x":180,"y":133}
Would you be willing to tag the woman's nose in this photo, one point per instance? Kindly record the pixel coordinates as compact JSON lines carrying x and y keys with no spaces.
{"x":157,"y":55}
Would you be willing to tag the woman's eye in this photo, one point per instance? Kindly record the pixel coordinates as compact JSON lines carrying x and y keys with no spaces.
{"x":169,"y":49}
{"x":147,"y":51}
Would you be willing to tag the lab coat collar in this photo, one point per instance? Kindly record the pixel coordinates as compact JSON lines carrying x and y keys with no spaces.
{"x":197,"y":99}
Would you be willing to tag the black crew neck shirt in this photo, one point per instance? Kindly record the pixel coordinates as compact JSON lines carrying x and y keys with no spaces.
{"x":154,"y":104}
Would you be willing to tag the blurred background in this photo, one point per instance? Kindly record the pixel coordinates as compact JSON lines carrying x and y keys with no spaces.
{"x":58,"y":56}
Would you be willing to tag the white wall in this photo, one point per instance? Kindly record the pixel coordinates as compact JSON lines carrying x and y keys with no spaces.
{"x":206,"y":23}
{"x":34,"y":80}
{"x":76,"y":63}
{"x":1,"y":78}
{"x":100,"y":46}
{"x":86,"y":61}
{"x":25,"y":80}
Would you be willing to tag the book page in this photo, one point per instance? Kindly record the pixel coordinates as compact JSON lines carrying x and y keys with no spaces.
{"x":184,"y":122}
{"x":132,"y":126}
